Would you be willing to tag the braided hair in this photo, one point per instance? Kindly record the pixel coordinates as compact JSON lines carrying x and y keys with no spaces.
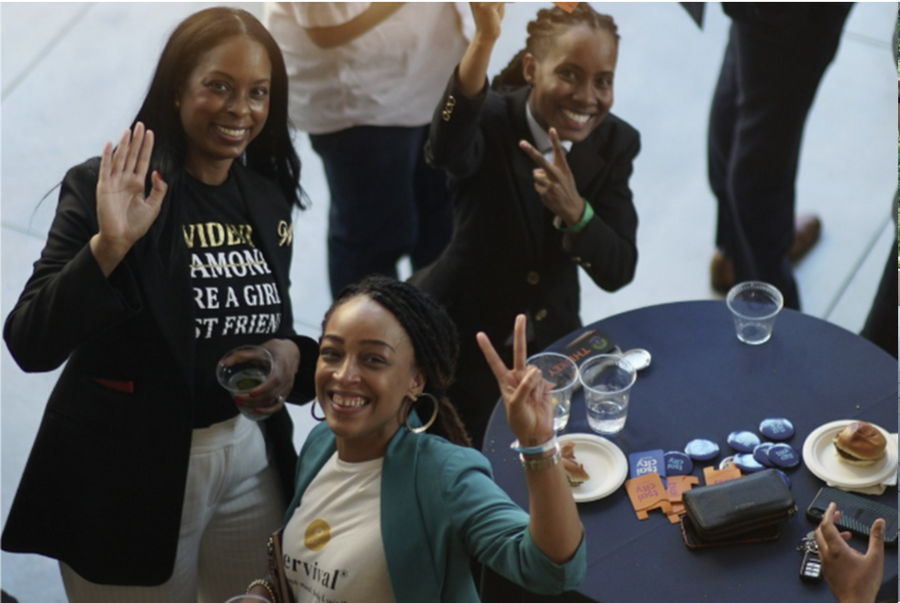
{"x":433,"y":335}
{"x":542,"y":33}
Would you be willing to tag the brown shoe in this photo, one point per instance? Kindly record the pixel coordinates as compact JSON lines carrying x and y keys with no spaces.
{"x":721,"y":272}
{"x":807,"y":229}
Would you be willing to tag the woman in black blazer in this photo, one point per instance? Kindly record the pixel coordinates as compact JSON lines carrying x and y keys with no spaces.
{"x":524,"y":222}
{"x":142,"y":462}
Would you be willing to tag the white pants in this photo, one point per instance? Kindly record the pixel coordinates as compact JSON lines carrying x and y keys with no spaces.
{"x":232,"y":505}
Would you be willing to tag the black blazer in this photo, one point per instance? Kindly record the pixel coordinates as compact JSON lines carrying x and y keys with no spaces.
{"x":506,"y":257}
{"x":104,"y":485}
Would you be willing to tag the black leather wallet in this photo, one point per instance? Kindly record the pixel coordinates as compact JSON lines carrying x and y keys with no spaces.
{"x":725,"y":510}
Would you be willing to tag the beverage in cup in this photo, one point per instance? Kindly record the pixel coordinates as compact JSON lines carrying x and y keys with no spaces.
{"x":607,"y":381}
{"x":242,"y":370}
{"x":562,"y":374}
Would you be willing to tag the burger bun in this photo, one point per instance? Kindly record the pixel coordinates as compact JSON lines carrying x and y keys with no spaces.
{"x":860,"y":444}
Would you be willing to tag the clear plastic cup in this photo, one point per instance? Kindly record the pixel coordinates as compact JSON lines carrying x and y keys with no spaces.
{"x":562,"y":373}
{"x":607,"y":381}
{"x":754,"y":306}
{"x":243,"y":369}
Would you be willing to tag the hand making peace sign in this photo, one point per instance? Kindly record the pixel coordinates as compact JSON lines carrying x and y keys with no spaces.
{"x":554,"y":181}
{"x":526,"y":396}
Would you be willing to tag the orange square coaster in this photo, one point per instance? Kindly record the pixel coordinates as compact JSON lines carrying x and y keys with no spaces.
{"x":647,"y":493}
{"x":678,"y":485}
{"x":716,"y":476}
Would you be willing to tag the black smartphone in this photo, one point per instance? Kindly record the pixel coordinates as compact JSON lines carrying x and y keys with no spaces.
{"x":857,"y":513}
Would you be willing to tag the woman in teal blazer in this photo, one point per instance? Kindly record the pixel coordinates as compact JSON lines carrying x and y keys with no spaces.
{"x":385,"y":347}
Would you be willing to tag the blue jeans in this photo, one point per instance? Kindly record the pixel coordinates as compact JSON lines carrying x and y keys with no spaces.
{"x":386,"y":202}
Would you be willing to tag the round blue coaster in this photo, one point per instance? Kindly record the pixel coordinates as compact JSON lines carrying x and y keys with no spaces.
{"x":776,"y":429}
{"x":761,"y":454}
{"x":746,"y":463}
{"x":702,"y":450}
{"x":743,"y":441}
{"x":678,"y":463}
{"x":784,"y":456}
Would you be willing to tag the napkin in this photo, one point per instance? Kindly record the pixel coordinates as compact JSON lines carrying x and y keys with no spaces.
{"x":877,"y":489}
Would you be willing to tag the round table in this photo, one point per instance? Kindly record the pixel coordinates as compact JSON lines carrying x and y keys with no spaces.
{"x":704,"y":383}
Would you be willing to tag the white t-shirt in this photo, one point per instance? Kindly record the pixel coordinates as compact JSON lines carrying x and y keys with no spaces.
{"x":332,"y":544}
{"x":392,"y":75}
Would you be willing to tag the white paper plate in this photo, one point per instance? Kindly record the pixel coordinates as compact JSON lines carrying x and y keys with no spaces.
{"x":821,"y":459}
{"x":604,"y":462}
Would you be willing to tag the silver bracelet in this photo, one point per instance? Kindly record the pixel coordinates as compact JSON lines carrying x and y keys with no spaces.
{"x":541,"y":463}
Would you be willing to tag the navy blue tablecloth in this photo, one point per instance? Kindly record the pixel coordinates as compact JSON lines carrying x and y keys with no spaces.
{"x":703,"y":382}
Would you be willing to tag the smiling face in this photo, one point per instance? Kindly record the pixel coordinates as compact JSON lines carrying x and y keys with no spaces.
{"x":224,"y":105}
{"x":572,"y":86}
{"x":366,"y":370}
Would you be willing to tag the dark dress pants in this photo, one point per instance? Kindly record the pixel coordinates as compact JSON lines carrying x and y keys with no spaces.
{"x":766,"y":86}
{"x":386,"y":202}
{"x":879,"y":327}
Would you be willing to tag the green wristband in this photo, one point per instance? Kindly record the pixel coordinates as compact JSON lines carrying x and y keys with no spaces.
{"x":585,"y":218}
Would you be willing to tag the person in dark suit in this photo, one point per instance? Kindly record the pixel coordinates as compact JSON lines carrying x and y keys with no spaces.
{"x":880,"y":321}
{"x":539,"y":171}
{"x":144,"y":481}
{"x":776,"y":56}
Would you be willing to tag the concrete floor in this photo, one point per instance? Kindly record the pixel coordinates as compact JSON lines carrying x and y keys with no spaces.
{"x":73,"y":76}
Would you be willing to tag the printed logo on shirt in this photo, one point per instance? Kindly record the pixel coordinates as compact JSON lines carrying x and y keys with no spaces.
{"x":213,"y":234}
{"x":234,"y":288}
{"x":317,"y":535}
{"x":285,"y":233}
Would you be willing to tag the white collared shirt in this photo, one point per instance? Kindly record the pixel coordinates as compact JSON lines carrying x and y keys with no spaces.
{"x":542,"y":138}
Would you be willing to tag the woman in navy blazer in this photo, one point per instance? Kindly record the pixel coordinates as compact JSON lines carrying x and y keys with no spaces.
{"x":112,"y":297}
{"x":525,"y":223}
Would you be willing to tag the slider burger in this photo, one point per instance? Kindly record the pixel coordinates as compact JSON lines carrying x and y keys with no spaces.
{"x":860,"y":444}
{"x":575,"y":472}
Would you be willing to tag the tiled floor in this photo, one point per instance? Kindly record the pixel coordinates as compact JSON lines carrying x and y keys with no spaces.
{"x":74,"y":74}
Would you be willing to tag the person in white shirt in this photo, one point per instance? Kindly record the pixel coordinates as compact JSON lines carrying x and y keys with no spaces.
{"x":386,"y":512}
{"x":364,"y":80}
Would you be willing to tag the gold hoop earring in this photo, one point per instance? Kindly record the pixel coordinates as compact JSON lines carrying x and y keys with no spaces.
{"x":437,"y":409}
{"x":312,"y":410}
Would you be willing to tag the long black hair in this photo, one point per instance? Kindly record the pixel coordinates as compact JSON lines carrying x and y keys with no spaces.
{"x":542,"y":33}
{"x":271,"y":152}
{"x":434,"y":338}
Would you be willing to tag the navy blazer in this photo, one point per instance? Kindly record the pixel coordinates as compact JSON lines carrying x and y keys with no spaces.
{"x":104,"y":485}
{"x":506,"y":257}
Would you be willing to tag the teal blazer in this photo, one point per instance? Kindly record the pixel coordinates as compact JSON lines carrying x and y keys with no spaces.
{"x":439,"y":507}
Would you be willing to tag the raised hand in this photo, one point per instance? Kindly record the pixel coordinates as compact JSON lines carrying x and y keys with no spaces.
{"x":487,"y":17}
{"x":554,"y":181}
{"x":526,"y":396}
{"x":852,"y":576}
{"x":124,"y":214}
{"x":473,"y":66}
